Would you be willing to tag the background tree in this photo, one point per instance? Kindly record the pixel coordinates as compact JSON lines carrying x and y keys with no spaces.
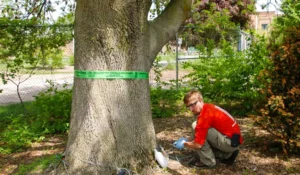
{"x":111,"y":123}
{"x":30,"y":38}
{"x":215,"y":20}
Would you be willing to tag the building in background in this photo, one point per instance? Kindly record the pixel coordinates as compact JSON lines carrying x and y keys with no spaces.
{"x":261,"y":21}
{"x":266,"y":12}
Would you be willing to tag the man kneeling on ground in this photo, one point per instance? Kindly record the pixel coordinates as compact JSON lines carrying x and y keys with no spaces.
{"x":216,"y":134}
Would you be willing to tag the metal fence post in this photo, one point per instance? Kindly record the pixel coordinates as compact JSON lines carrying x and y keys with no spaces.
{"x":239,"y":45}
{"x":176,"y":60}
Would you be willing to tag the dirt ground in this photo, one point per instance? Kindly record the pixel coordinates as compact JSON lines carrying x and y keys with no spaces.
{"x":256,"y":155}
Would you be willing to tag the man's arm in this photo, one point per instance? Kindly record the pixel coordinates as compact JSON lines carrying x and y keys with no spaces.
{"x":192,"y":144}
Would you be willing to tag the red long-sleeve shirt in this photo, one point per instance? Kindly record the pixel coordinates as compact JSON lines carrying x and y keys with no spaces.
{"x":212,"y":116}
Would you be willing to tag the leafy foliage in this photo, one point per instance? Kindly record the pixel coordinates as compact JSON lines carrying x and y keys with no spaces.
{"x":291,"y":17}
{"x":281,"y":111}
{"x":239,"y":10}
{"x":230,"y":77}
{"x":213,"y":21}
{"x":166,"y":102}
{"x":48,"y":114}
{"x":28,"y":41}
{"x":53,"y":109}
{"x":17,"y":135}
{"x":211,"y":28}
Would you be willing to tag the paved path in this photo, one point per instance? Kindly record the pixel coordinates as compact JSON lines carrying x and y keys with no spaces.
{"x":31,"y":87}
{"x":37,"y":83}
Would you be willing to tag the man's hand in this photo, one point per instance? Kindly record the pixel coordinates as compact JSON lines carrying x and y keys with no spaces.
{"x":179,"y":144}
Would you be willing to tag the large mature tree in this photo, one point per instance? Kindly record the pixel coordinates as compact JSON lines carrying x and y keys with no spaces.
{"x":111,"y":124}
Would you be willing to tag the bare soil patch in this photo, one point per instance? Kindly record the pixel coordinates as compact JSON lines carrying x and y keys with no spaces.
{"x":256,"y":156}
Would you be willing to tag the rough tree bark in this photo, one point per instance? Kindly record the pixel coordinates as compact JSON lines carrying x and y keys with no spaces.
{"x":111,"y":123}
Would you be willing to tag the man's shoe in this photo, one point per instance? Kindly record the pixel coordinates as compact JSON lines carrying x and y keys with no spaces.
{"x":193,"y":161}
{"x":231,"y":159}
{"x":198,"y":164}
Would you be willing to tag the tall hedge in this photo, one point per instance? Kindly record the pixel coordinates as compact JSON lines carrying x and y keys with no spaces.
{"x":281,"y":113}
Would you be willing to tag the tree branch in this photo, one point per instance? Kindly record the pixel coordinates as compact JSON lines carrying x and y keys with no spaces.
{"x":165,"y":26}
{"x":41,"y":9}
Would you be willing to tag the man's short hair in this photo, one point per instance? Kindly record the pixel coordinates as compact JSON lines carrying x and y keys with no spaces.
{"x":194,"y":93}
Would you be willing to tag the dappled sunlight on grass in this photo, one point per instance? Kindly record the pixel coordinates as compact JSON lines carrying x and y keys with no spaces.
{"x":54,"y":145}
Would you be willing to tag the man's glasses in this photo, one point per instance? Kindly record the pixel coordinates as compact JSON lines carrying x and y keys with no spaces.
{"x":192,"y":104}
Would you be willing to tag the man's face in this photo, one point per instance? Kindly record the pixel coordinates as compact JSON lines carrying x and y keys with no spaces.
{"x":195,"y":105}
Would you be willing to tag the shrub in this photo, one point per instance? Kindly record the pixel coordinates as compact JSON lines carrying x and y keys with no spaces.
{"x":17,"y":134}
{"x":166,"y":102}
{"x":231,"y":78}
{"x":281,"y":113}
{"x":53,"y":109}
{"x":48,"y":114}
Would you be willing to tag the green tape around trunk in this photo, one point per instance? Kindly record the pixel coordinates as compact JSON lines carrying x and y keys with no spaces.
{"x":111,"y":74}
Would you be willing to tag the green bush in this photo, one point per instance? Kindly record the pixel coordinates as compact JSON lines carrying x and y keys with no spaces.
{"x":52,"y":110}
{"x":15,"y":128}
{"x":17,"y":134}
{"x":230,"y":78}
{"x":48,"y":114}
{"x":281,"y":112}
{"x":166,"y":102}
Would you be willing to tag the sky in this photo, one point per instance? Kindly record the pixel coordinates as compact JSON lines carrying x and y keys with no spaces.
{"x":274,"y":5}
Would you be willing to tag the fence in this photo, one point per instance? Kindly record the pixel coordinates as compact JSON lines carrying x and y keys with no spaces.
{"x":244,"y":41}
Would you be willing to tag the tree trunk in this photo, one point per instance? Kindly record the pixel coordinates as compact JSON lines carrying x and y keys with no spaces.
{"x":111,"y":124}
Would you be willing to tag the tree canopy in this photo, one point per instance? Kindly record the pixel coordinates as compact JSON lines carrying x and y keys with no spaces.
{"x":31,"y":37}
